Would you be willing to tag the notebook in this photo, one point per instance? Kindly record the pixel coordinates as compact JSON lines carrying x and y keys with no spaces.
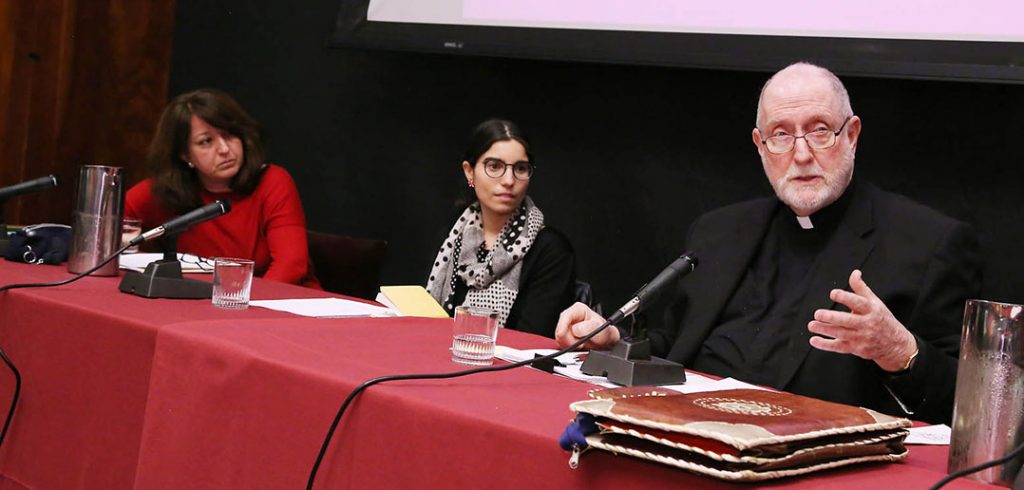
{"x":410,"y":301}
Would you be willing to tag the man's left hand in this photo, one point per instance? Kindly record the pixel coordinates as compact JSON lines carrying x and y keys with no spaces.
{"x":869,"y":330}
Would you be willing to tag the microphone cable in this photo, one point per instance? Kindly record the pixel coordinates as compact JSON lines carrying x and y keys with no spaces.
{"x":7,"y":360}
{"x":454,"y":374}
{"x":974,"y":469}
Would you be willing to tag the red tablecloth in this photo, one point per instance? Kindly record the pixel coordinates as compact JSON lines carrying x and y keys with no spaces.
{"x":125,"y":392}
{"x":85,"y":351}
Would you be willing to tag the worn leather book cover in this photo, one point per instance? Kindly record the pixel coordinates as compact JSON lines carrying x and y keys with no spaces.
{"x":742,"y":435}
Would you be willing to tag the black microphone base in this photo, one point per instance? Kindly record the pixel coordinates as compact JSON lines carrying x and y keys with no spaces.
{"x":163,"y":279}
{"x":630,"y":364}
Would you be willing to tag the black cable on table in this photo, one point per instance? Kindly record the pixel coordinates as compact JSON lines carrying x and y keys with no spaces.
{"x":455,"y":374}
{"x":974,"y":469}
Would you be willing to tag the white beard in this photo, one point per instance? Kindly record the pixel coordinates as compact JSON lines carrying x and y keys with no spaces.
{"x":806,"y":200}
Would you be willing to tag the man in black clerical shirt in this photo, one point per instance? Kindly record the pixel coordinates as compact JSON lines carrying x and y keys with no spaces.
{"x":781,"y":296}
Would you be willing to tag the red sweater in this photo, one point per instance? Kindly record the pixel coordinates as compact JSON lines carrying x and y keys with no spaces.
{"x":267,"y":226}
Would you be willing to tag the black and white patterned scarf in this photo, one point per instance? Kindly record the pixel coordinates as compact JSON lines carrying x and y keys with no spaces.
{"x":492,"y":275}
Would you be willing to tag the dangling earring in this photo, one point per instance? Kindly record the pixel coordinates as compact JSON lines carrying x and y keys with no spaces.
{"x":471,"y":184}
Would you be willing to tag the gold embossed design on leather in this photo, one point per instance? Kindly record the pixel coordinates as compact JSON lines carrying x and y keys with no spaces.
{"x":742,"y":407}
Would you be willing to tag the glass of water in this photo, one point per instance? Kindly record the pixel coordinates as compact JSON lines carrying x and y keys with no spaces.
{"x":232,"y":280}
{"x":476,"y":330}
{"x":130,"y":228}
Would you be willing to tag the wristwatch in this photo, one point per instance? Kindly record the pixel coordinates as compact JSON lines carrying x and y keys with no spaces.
{"x":910,"y":362}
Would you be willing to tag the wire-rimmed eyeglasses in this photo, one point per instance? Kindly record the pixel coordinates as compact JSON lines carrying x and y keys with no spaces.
{"x":819,"y":139}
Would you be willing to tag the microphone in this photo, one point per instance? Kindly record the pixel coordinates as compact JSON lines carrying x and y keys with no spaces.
{"x":163,"y":278}
{"x":28,"y":186}
{"x":183,"y":222}
{"x":650,"y":292}
{"x":630,"y":362}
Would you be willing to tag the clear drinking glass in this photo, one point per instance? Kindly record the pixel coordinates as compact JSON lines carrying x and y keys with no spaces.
{"x":130,"y":228}
{"x":476,"y":330}
{"x":232,"y":280}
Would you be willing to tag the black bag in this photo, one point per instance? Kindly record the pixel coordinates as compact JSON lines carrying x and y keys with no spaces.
{"x":45,"y":243}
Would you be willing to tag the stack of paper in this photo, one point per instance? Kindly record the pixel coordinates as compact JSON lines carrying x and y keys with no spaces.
{"x":323,"y":307}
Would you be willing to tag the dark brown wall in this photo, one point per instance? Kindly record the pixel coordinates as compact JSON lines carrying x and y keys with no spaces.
{"x":83,"y":82}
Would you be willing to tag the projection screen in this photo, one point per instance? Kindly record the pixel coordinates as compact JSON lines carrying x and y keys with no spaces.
{"x":936,"y":39}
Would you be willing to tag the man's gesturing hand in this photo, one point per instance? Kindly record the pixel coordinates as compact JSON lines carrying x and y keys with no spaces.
{"x":869,"y":330}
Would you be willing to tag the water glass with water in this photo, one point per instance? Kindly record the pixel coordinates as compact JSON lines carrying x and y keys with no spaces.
{"x":232,"y":280}
{"x":130,"y":228}
{"x":476,"y":330}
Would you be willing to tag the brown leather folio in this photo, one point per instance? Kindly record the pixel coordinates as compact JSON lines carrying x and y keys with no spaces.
{"x":740,"y":435}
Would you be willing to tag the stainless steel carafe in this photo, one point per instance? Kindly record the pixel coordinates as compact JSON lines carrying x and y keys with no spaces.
{"x":988,"y":419}
{"x":96,"y":221}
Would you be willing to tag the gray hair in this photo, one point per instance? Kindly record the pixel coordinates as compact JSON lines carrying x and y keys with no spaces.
{"x":837,"y":87}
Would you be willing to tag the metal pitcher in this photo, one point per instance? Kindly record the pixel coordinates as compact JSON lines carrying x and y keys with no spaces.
{"x":988,"y":419}
{"x":96,"y":221}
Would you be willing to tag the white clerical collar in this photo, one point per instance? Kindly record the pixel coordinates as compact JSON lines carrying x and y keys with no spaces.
{"x":805,"y":222}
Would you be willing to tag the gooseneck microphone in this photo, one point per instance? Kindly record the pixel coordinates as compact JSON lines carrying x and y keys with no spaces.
{"x":650,"y":292}
{"x":163,"y":278}
{"x":183,"y":222}
{"x":630,"y":363}
{"x":28,"y":186}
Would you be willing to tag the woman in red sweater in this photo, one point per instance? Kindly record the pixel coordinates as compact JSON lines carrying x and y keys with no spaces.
{"x":207,"y":148}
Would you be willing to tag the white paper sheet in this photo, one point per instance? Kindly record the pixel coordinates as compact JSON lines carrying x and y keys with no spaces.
{"x":572,"y":361}
{"x":932,"y":435}
{"x":323,"y":307}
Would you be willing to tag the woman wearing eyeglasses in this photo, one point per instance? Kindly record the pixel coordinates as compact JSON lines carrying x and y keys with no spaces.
{"x":499,"y":254}
{"x":206,"y":148}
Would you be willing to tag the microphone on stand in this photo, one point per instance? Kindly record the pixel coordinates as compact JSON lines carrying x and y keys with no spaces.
{"x":162,"y":278}
{"x":28,"y":186}
{"x":630,"y":363}
{"x":10,"y":191}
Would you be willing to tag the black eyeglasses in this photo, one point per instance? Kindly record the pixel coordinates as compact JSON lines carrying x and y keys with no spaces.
{"x":819,"y":139}
{"x":496,"y":168}
{"x":201,"y":262}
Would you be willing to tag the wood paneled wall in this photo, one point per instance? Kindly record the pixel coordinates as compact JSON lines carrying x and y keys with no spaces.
{"x":81,"y":82}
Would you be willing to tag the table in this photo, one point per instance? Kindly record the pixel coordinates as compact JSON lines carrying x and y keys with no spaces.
{"x":85,"y":352}
{"x":126,"y":392}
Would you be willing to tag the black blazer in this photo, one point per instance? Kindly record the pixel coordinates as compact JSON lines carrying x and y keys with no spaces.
{"x":922,"y":264}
